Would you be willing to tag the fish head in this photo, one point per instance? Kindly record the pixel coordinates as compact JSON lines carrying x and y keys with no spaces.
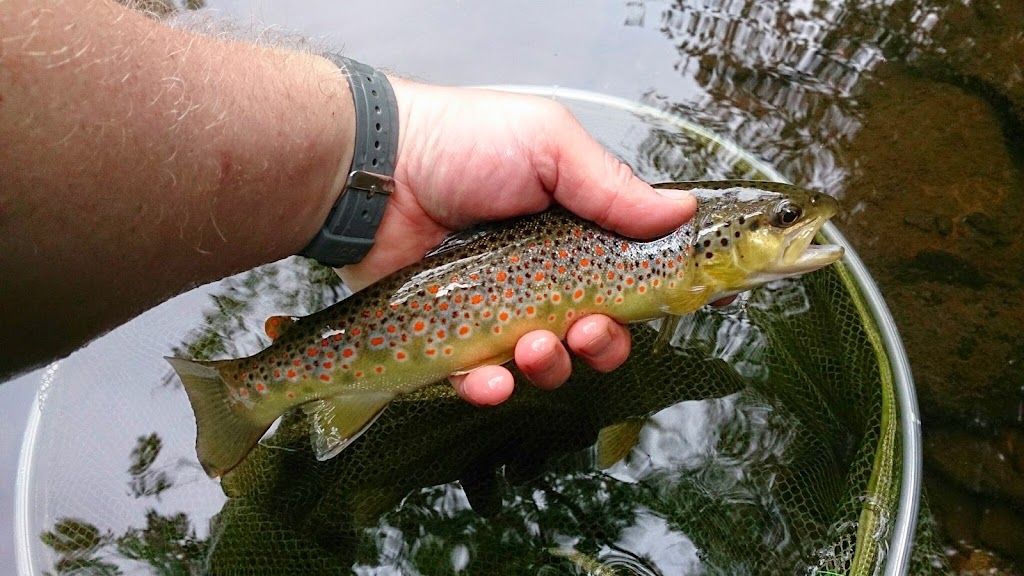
{"x":747,"y":234}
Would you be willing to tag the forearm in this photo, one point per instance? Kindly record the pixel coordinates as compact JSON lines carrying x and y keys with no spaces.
{"x":140,"y":160}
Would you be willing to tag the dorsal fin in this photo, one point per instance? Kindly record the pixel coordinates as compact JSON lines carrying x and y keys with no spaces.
{"x":275,"y":326}
{"x":463,"y":238}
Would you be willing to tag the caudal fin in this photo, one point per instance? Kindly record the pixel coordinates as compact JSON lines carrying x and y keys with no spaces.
{"x":225,"y":431}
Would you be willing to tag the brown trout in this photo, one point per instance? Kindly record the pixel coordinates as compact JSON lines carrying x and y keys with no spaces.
{"x":469,"y":301}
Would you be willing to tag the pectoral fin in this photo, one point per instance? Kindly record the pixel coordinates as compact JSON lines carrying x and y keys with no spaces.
{"x":336,"y":422}
{"x":614,"y":442}
{"x":669,"y":324}
{"x":681,"y":302}
{"x":492,"y":361}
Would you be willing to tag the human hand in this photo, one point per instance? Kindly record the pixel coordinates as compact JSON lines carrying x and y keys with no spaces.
{"x":468,"y":156}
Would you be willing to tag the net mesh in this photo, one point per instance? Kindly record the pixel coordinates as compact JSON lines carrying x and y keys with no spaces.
{"x":794,"y":467}
{"x":764,"y":438}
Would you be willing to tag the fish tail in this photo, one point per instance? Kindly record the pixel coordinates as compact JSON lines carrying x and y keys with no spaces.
{"x":225,"y":434}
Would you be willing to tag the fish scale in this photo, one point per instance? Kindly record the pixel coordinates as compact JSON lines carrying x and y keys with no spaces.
{"x":469,"y":302}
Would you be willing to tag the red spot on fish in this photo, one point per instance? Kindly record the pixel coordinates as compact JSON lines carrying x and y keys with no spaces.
{"x":458,"y":299}
{"x":297,"y":362}
{"x":556,"y":297}
{"x":365,"y":313}
{"x":585,"y":262}
{"x":486,"y":314}
{"x":359,"y":374}
{"x":378,"y":341}
{"x":625,"y":247}
{"x":563,"y":254}
{"x":561,"y":269}
{"x":291,"y":394}
{"x":463,"y":330}
{"x":430,"y":351}
{"x":548,"y":265}
{"x":356,"y":331}
{"x":577,"y":233}
{"x":599,"y":299}
{"x":328,"y":365}
{"x":599,"y":251}
{"x":414,"y":304}
{"x":641,"y":289}
{"x":577,"y":294}
{"x":312,"y":352}
{"x":503,"y":316}
{"x":419,"y":327}
{"x":570,"y":314}
{"x":325,"y":377}
{"x":434,"y":288}
{"x":427,"y":307}
{"x":519,"y":280}
{"x":440,"y":334}
{"x":443,"y":306}
{"x":244,"y":392}
{"x":474,"y":277}
{"x":337,"y":337}
{"x":618,"y":300}
{"x":379,"y":369}
{"x":611,"y":275}
{"x":629,"y":281}
{"x":277,"y":373}
{"x":514,"y":259}
{"x":448,"y":351}
{"x":538,"y":276}
{"x":291,"y":373}
{"x":656,"y":282}
{"x":494,"y":298}
{"x":551,"y":318}
{"x":530,"y":310}
{"x":379,"y":313}
{"x":243,"y":375}
{"x":395,"y":306}
{"x":260,"y":387}
{"x":645,"y":264}
{"x":497,"y":329}
{"x":509,"y":293}
{"x":476,"y":299}
{"x":347,"y":352}
{"x":400,"y":356}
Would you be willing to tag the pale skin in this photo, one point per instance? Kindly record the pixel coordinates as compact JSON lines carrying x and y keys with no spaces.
{"x":139,"y":161}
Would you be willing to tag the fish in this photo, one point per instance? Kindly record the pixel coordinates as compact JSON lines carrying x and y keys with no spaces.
{"x":468,"y":302}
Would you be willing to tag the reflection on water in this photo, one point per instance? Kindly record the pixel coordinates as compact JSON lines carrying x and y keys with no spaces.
{"x":735,"y":455}
{"x":912,"y":112}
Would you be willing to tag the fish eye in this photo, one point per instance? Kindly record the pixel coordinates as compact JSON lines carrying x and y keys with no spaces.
{"x":786,"y":214}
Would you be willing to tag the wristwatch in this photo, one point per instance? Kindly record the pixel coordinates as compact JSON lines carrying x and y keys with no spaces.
{"x":347,"y":234}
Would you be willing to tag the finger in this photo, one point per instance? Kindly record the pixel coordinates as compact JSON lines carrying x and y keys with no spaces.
{"x":543,"y":359}
{"x":602,"y":342}
{"x":485,"y":386}
{"x":587,"y":179}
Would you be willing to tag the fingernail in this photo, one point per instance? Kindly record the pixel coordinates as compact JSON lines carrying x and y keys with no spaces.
{"x":674,"y":193}
{"x":600,"y":339}
{"x":545,"y":349}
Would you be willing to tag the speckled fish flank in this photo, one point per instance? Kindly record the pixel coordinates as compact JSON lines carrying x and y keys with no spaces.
{"x":468,"y":303}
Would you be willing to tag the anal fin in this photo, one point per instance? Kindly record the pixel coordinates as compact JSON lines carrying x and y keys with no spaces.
{"x":336,"y":422}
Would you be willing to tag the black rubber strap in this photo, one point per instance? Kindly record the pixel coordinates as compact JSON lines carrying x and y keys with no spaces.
{"x":347,"y":235}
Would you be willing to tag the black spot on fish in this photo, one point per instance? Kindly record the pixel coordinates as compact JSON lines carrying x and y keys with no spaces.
{"x":725,"y":242}
{"x":708,"y":255}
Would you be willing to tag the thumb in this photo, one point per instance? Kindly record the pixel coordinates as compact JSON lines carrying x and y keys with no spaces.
{"x":588,"y":180}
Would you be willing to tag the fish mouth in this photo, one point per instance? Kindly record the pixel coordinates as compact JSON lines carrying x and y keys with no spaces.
{"x":800,"y":256}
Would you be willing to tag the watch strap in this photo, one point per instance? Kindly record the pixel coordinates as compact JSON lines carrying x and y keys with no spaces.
{"x":348,"y":233}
